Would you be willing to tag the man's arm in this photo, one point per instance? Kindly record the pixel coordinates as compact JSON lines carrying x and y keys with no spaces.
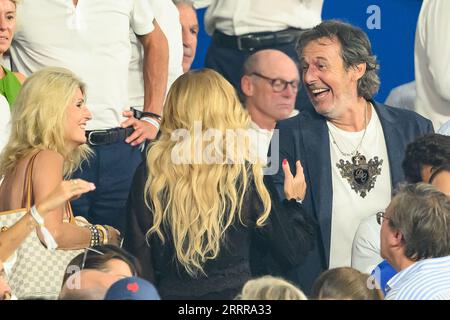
{"x":155,"y":69}
{"x":156,"y":63}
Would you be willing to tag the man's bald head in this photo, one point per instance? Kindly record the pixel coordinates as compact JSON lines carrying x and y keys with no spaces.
{"x":265,"y":103}
{"x":87,"y":284}
{"x":268,"y":59}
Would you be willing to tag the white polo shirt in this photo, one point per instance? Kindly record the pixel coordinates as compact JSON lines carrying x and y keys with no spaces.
{"x":91,"y":39}
{"x":168,"y":18}
{"x":432,"y":62}
{"x":237,"y":17}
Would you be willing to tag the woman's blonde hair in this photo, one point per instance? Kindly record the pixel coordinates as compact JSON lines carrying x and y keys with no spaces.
{"x":346,"y":283}
{"x":196,"y":200}
{"x":270,"y":288}
{"x":38,"y":119}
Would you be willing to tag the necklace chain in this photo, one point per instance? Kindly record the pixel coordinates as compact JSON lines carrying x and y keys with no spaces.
{"x":351,"y":154}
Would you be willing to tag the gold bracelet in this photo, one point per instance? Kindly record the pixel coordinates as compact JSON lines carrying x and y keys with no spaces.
{"x":104,"y":232}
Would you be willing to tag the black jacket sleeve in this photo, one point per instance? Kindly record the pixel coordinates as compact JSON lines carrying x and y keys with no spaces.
{"x":139,"y":221}
{"x":285,"y":239}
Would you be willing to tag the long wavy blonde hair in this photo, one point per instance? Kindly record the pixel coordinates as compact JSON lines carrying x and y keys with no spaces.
{"x":196,"y":201}
{"x":38,"y":119}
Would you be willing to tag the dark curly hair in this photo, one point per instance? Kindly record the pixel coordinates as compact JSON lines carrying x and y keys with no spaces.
{"x":431,"y":149}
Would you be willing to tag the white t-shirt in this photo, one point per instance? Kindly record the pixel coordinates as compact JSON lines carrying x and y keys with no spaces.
{"x":349,"y":207}
{"x":366,"y":245}
{"x":91,"y":39}
{"x":237,"y":17}
{"x":5,"y":125}
{"x":432,"y":61}
{"x":168,"y":18}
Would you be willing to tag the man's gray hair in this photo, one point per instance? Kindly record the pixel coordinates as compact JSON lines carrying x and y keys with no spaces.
{"x":189,"y":3}
{"x":355,"y":49}
{"x":422,"y":214}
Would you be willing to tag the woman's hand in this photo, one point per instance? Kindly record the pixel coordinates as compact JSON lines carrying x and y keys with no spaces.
{"x":294,"y":187}
{"x":5,"y":290}
{"x":114,"y":236}
{"x":65,"y":191}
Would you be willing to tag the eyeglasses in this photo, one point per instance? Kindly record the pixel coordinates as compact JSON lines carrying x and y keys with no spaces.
{"x":86,"y":250}
{"x":279,"y":85}
{"x":380,"y":217}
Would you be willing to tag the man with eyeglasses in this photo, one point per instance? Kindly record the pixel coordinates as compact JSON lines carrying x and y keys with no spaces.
{"x":415,"y":240}
{"x":421,"y":158}
{"x":240,"y":28}
{"x":270,"y":84}
{"x":351,"y":147}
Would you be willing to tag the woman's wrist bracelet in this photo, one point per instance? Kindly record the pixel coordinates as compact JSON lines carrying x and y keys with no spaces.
{"x":95,"y":236}
{"x":152,"y":121}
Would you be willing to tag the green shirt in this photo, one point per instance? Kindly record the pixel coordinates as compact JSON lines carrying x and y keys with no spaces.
{"x":9,"y":86}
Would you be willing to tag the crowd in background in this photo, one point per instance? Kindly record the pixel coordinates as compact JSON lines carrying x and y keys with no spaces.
{"x":272,"y":173}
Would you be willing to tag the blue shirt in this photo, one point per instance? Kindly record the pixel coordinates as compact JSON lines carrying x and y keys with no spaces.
{"x":383,"y":273}
{"x":427,"y":279}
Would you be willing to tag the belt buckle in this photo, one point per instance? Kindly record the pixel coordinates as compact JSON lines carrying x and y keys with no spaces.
{"x":239,"y":42}
{"x":89,"y":137}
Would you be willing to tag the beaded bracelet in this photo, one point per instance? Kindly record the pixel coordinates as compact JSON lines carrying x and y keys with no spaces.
{"x":95,"y":236}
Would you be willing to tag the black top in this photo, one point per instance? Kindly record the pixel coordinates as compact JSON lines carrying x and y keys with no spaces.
{"x":287,"y":236}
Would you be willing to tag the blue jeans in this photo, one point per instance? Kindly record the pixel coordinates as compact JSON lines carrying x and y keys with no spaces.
{"x":111,"y":169}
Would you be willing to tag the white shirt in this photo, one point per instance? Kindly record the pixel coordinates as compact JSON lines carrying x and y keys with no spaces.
{"x":366,"y":245}
{"x":403,"y":96}
{"x":168,"y":18}
{"x":432,"y":61}
{"x":349,"y":208}
{"x":199,"y":4}
{"x":260,"y":140}
{"x":237,"y":17}
{"x":445,"y":129}
{"x":5,"y":125}
{"x":91,"y":39}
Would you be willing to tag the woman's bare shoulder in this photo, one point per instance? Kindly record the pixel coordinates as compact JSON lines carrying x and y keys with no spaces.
{"x":49,"y":160}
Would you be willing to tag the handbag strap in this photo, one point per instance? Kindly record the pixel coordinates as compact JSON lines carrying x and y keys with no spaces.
{"x":28,"y":189}
{"x":28,"y":183}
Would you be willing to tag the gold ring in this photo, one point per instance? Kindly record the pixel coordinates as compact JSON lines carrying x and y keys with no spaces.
{"x":75,"y":182}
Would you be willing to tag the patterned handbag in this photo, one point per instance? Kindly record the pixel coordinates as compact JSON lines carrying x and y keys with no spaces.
{"x":37,"y":272}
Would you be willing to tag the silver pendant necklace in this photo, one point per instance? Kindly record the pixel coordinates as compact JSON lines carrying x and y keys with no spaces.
{"x":360,"y":173}
{"x":351,"y":154}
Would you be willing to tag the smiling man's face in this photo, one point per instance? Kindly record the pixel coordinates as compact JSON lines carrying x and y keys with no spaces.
{"x":331,"y":87}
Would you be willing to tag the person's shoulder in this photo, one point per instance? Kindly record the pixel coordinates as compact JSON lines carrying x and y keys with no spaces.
{"x":403,"y":114}
{"x":49,"y":158}
{"x":20,"y":77}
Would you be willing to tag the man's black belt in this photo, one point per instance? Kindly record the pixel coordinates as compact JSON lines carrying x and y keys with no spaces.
{"x":253,"y":41}
{"x":108,"y":136}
